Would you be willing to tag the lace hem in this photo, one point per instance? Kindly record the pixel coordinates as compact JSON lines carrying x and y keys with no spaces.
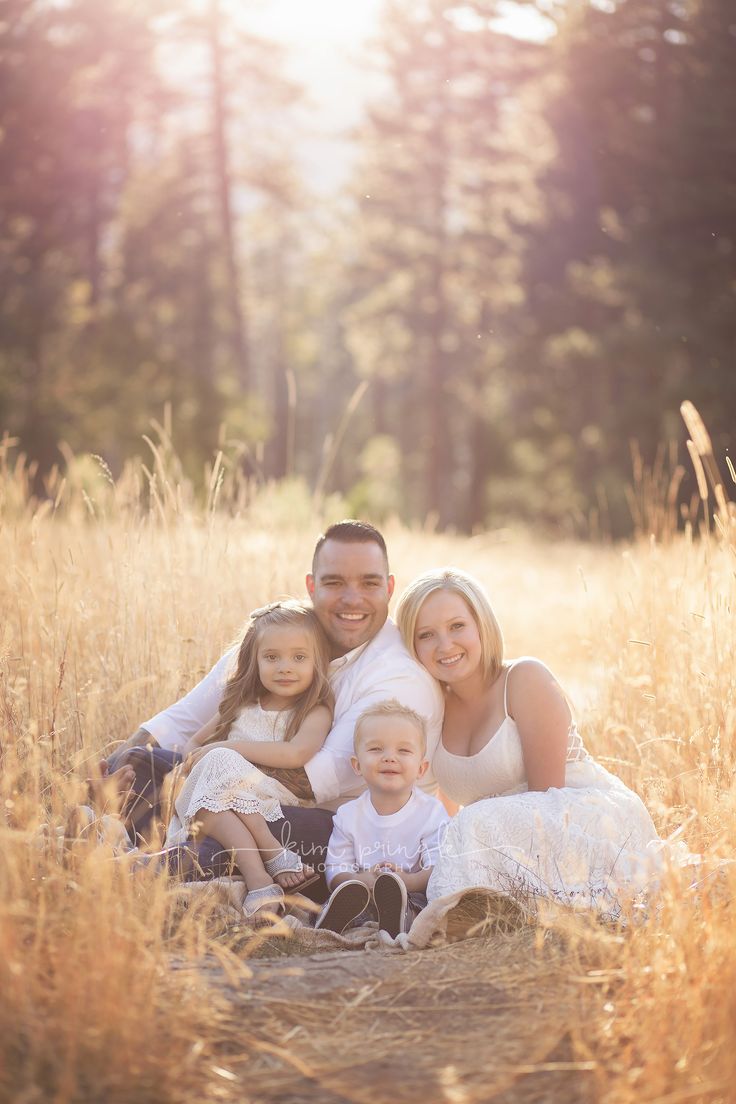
{"x":529,"y":890}
{"x":270,"y":810}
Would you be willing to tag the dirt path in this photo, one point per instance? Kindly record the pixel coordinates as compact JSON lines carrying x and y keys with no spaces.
{"x":483,"y":1019}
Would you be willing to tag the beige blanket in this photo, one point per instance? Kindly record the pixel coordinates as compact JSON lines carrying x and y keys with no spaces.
{"x":457,"y":916}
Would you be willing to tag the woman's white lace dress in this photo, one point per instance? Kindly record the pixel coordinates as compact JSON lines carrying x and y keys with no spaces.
{"x":224,"y":779}
{"x":590,"y":843}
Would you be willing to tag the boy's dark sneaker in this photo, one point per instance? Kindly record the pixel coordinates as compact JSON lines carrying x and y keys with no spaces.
{"x":389,"y":896}
{"x":346,"y":903}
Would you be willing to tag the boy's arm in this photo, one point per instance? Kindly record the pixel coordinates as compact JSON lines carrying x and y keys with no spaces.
{"x":341,"y":864}
{"x":430,"y":846}
{"x":415,"y":882}
{"x":367,"y":877}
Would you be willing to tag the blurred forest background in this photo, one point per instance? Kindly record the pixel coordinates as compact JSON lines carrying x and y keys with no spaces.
{"x":531,"y":263}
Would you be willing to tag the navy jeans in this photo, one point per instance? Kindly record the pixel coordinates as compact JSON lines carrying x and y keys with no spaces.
{"x":306,"y":831}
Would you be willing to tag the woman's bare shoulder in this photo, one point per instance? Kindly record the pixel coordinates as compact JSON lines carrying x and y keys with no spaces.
{"x":530,"y":682}
{"x":529,"y":670}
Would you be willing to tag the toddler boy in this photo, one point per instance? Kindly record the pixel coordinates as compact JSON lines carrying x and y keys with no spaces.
{"x":384,"y":844}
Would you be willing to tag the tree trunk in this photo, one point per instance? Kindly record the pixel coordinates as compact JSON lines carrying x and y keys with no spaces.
{"x":282,"y":444}
{"x":480,"y":440}
{"x":238,"y":326}
{"x":438,"y":453}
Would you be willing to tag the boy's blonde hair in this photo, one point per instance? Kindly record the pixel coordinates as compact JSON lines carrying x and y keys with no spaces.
{"x":391,"y":708}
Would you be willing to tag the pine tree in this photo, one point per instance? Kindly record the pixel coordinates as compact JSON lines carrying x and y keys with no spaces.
{"x":434,"y":269}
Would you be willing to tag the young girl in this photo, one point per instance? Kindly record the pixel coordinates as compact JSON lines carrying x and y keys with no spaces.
{"x":276,"y":711}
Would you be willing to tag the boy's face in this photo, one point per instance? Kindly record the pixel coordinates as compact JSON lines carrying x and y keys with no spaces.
{"x":389,"y":755}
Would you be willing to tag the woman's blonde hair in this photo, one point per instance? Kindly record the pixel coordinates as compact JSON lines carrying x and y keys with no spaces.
{"x":244,"y":686}
{"x":475,"y":598}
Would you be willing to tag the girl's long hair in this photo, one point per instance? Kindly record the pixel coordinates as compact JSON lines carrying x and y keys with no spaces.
{"x":244,"y":686}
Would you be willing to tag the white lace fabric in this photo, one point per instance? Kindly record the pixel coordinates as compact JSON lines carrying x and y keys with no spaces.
{"x":590,"y":843}
{"x":224,"y":779}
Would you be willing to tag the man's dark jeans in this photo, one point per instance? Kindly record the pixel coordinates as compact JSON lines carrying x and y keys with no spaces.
{"x":305,"y":831}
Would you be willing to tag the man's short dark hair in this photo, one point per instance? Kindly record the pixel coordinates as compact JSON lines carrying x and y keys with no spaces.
{"x":350,"y":531}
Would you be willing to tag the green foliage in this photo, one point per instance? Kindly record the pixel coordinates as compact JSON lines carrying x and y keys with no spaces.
{"x":534,"y":263}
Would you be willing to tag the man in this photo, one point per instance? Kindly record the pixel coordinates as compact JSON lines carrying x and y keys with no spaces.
{"x":350,"y":587}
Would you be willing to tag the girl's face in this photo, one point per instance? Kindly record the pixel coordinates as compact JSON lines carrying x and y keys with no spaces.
{"x":446,"y":638}
{"x":286,"y":660}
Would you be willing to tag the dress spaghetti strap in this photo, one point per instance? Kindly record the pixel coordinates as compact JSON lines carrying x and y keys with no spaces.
{"x":506,"y":691}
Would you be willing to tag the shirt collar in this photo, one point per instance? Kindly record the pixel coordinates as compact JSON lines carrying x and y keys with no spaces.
{"x":350,"y":657}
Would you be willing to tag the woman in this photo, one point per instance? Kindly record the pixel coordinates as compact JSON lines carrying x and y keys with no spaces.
{"x":540,"y":817}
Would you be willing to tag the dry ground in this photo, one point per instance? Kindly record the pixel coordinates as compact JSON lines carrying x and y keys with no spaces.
{"x":486,"y":1018}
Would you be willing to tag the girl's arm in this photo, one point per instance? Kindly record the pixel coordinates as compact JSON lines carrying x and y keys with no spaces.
{"x":202,"y":735}
{"x":298,"y":751}
{"x":538,"y":705}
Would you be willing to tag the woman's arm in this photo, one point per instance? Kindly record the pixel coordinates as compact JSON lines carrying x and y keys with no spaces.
{"x":450,"y":805}
{"x":537,"y":703}
{"x":298,"y":751}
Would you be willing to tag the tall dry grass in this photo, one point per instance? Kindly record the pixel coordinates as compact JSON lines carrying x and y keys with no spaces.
{"x":116,"y":598}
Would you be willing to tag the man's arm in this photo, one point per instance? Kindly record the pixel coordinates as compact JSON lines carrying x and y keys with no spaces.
{"x":173,"y":727}
{"x":141,"y":738}
{"x":202,"y":735}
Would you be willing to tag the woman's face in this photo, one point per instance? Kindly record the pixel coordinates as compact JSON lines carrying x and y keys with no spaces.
{"x":446,"y":637}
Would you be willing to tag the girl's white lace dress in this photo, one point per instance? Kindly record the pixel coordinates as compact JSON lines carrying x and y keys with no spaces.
{"x":224,"y":779}
{"x":590,"y":843}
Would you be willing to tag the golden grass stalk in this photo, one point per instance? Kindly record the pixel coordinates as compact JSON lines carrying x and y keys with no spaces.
{"x":706,"y":466}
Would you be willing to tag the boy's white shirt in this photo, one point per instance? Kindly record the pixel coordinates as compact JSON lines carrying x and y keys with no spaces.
{"x":380,"y":669}
{"x":362,"y":837}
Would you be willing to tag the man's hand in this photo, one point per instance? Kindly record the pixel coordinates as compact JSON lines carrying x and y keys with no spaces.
{"x":111,"y":791}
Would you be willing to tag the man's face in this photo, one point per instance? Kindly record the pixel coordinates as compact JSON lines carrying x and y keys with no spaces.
{"x":350,"y":590}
